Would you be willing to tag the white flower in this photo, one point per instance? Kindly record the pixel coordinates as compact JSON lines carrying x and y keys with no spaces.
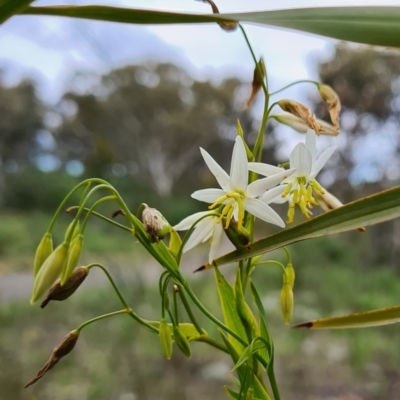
{"x":236,"y":195}
{"x":300,"y":184}
{"x":209,"y":228}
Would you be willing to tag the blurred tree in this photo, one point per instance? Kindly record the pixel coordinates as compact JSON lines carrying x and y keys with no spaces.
{"x":368,"y":83}
{"x":149,"y":122}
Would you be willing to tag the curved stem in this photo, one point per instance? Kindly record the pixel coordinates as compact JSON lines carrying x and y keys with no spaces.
{"x":90,"y":321}
{"x":104,"y":218}
{"x":95,"y":204}
{"x":190,"y":312}
{"x":271,"y":262}
{"x":289,"y":257}
{"x":294,"y":83}
{"x":212,"y":342}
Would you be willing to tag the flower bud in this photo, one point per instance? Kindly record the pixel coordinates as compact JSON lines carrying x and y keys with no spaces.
{"x":50,"y":271}
{"x":61,"y":350}
{"x":301,"y":111}
{"x":165,"y":338}
{"x":43,"y":251}
{"x":256,"y":85}
{"x":68,"y":231}
{"x":73,"y":258}
{"x":238,"y":237}
{"x":287,"y":302}
{"x":155,"y":224}
{"x":60,"y":293}
{"x":182,"y":343}
{"x":332,"y":99}
{"x":289,"y":275}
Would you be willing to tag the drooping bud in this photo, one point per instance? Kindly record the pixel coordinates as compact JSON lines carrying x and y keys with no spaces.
{"x":69,"y":229}
{"x":301,"y":111}
{"x":60,"y":293}
{"x":289,"y":275}
{"x":226,"y":26}
{"x":50,"y":271}
{"x":63,"y":348}
{"x":332,"y":99}
{"x":155,"y":224}
{"x":73,"y":258}
{"x":256,"y":85}
{"x":250,"y":156}
{"x":165,"y":338}
{"x":182,"y":342}
{"x":43,"y":251}
{"x":300,"y":126}
{"x":287,"y":302}
{"x":238,"y":237}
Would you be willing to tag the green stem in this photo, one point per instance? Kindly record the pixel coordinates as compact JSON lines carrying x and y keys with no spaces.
{"x":289,"y":257}
{"x":259,"y":144}
{"x":104,"y":218}
{"x":176,"y":313}
{"x":90,"y":321}
{"x":95,"y":204}
{"x":271,"y":262}
{"x":64,"y":202}
{"x":294,"y":83}
{"x":263,"y":83}
{"x":212,"y":342}
{"x":272,"y":380}
{"x":190,"y":312}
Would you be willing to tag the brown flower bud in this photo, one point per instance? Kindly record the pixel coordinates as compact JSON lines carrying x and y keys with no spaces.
{"x":155,"y":224}
{"x":301,"y":111}
{"x":226,"y":26}
{"x":61,"y":350}
{"x":332,"y":99}
{"x":257,"y":82}
{"x":60,"y":293}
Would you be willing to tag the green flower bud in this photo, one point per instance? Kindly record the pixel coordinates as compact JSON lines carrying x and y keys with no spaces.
{"x":44,"y":249}
{"x":290,"y":275}
{"x":287,"y":302}
{"x":50,"y":271}
{"x":68,"y":231}
{"x":155,"y":224}
{"x":60,"y":293}
{"x":73,"y":258}
{"x":238,"y":237}
{"x":182,"y":342}
{"x":66,"y":345}
{"x":165,"y":339}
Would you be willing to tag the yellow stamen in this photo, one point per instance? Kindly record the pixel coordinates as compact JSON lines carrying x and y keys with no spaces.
{"x":287,"y":190}
{"x":318,"y":186}
{"x":290,"y":215}
{"x":241,"y":212}
{"x":303,"y":208}
{"x":218,"y":202}
{"x":229,"y":216}
{"x":295,"y":197}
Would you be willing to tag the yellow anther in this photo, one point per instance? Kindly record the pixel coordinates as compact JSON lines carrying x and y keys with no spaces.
{"x":241,"y":212}
{"x":227,"y":207}
{"x":303,"y":208}
{"x":295,"y":197}
{"x":229,"y":216}
{"x":287,"y":190}
{"x":218,"y":202}
{"x":318,"y":186}
{"x":303,"y":191}
{"x":290,"y":215}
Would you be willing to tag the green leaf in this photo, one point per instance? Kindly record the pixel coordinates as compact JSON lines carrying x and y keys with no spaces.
{"x":382,"y":316}
{"x":228,"y":305}
{"x":175,"y":243}
{"x":370,"y":210}
{"x":377,"y":25}
{"x":252,"y":348}
{"x":10,"y":7}
{"x":235,"y":395}
{"x":186,"y":329}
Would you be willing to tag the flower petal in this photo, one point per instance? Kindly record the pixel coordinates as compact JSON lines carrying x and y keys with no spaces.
{"x":220,"y":175}
{"x":272,"y":194}
{"x":310,"y":144}
{"x":201,"y":231}
{"x":187,"y":222}
{"x":258,"y":187}
{"x":208,"y":195}
{"x":215,"y":242}
{"x":323,"y":159}
{"x":263,"y":211}
{"x":264,"y":169}
{"x":301,"y":159}
{"x":239,"y":167}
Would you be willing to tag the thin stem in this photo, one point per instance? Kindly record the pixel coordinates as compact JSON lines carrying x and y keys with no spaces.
{"x":263,"y":83}
{"x":190,"y":312}
{"x":272,"y":380}
{"x":271,"y":262}
{"x":95,"y":204}
{"x":294,"y":83}
{"x":104,"y":218}
{"x":176,"y":313}
{"x":90,"y":321}
{"x":124,"y":303}
{"x":289,"y":257}
{"x":212,"y":342}
{"x":259,"y":144}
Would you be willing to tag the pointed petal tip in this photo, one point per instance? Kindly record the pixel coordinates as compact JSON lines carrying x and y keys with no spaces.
{"x":306,"y":325}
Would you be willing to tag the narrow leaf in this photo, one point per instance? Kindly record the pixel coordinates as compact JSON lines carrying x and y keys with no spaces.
{"x":248,"y":352}
{"x":370,"y":210}
{"x":10,"y":7}
{"x":377,"y":25}
{"x":382,"y":316}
